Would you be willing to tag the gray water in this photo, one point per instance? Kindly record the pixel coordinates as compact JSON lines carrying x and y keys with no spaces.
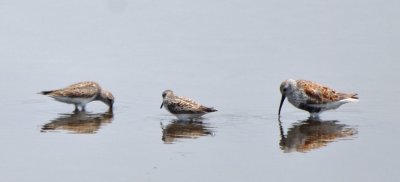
{"x":231,"y":55}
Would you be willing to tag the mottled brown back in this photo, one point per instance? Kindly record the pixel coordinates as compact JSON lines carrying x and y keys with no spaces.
{"x":82,"y":89}
{"x":320,"y":94}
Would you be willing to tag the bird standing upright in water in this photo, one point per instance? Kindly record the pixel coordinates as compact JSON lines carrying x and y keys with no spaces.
{"x":313,"y":97}
{"x":183,"y":108}
{"x":80,"y":94}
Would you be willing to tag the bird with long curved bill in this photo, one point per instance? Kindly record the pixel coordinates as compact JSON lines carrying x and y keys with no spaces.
{"x":313,"y":97}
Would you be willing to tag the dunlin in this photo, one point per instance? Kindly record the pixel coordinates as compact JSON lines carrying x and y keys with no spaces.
{"x":177,"y":130}
{"x":82,"y":93}
{"x":183,"y":108}
{"x":313,"y":97}
{"x":79,"y":122}
{"x":311,"y":134}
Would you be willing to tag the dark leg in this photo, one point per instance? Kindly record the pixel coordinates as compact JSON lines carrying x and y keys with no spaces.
{"x":76,"y":108}
{"x":314,"y":115}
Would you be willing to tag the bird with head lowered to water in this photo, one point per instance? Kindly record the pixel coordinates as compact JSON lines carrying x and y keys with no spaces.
{"x":81,"y":93}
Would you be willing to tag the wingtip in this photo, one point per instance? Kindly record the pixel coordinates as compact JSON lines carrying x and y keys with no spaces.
{"x":351,"y":99}
{"x":44,"y":92}
{"x":211,"y":110}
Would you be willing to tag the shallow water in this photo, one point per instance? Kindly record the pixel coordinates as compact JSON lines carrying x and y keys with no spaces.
{"x":231,"y":55}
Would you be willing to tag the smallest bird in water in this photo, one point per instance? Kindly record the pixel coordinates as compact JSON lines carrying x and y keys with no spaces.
{"x":82,"y":93}
{"x":183,"y":108}
{"x":313,"y":97}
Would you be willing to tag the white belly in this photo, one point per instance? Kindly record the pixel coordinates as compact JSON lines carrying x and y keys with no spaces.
{"x":331,"y":105}
{"x":188,"y":116}
{"x":185,"y":116}
{"x":78,"y":101}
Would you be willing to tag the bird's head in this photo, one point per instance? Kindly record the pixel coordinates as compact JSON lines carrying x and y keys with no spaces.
{"x":108,"y":98}
{"x":286,"y":88}
{"x":166,"y":94}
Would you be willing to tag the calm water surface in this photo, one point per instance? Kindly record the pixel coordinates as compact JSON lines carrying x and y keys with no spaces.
{"x":231,"y":55}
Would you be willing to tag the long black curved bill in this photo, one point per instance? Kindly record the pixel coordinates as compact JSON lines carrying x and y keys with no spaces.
{"x":280,"y":106}
{"x":162,"y":104}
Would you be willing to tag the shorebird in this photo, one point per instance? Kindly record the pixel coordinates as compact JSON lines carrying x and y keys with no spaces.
{"x":305,"y":136}
{"x":313,"y":97}
{"x":79,"y":122}
{"x":80,"y":94}
{"x":183,"y":108}
{"x":177,"y":130}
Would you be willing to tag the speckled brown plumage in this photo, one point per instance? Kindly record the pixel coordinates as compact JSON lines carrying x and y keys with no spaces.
{"x":320,"y":94}
{"x":182,"y":107}
{"x":81,"y":93}
{"x":313,"y":97}
{"x":82,"y":89}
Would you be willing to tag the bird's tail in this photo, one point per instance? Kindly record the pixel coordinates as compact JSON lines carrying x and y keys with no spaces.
{"x":343,"y":96}
{"x":45,"y":92}
{"x":210,"y":109}
{"x":354,"y":96}
{"x":350,"y":98}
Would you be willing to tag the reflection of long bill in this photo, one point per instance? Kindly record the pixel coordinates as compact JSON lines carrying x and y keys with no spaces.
{"x":280,"y":106}
{"x":311,"y":134}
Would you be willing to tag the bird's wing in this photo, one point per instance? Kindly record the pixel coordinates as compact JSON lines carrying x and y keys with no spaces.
{"x":186,"y":105}
{"x":82,"y":89}
{"x":319,"y":94}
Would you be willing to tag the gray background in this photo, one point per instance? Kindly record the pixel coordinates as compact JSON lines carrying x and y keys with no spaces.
{"x":228,"y":54}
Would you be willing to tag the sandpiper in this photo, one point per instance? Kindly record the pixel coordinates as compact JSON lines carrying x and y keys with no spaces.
{"x":183,"y":108}
{"x":313,"y":97}
{"x":81,"y":93}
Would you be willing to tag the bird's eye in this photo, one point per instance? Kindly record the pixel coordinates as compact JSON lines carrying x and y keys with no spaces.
{"x":284,"y":90}
{"x":164,"y":94}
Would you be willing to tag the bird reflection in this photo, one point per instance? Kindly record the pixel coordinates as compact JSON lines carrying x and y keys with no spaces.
{"x":79,"y":122}
{"x":176,"y":130}
{"x":311,"y":134}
